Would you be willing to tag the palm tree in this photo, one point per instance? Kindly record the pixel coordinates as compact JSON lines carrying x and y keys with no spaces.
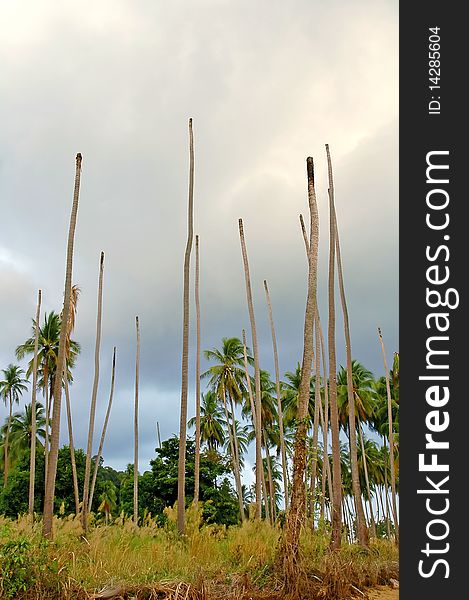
{"x":21,"y":429}
{"x":227,"y":380}
{"x":211,"y":422}
{"x":86,"y":483}
{"x":61,"y":364}
{"x":185,"y":344}
{"x":108,"y":499}
{"x":290,"y":389}
{"x":11,"y":389}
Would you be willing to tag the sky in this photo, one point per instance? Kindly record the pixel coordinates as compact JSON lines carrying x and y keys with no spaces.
{"x":267,"y":84}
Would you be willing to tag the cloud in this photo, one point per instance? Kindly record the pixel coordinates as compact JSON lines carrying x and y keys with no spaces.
{"x":267,"y":85}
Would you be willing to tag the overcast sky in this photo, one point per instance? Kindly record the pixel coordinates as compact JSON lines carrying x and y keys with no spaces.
{"x":267,"y":84}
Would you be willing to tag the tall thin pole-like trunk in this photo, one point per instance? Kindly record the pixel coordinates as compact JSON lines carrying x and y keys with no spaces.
{"x":296,"y":513}
{"x":158,"y":434}
{"x":32,"y":459}
{"x":197,"y":377}
{"x":279,"y":398}
{"x":55,"y":433}
{"x":47,"y":387}
{"x":72,"y":447}
{"x":336,"y":467}
{"x":365,"y":471}
{"x":391,"y":439}
{"x":317,"y":404}
{"x":103,"y":434}
{"x":137,"y":377}
{"x":362,"y":531}
{"x":257,"y":373}
{"x":271,"y":490}
{"x":185,"y":344}
{"x":86,"y":484}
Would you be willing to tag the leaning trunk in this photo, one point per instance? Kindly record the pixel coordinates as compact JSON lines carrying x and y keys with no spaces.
{"x":279,"y":398}
{"x":185,"y":346}
{"x":32,"y":459}
{"x":55,"y":433}
{"x":86,"y":484}
{"x":257,"y":375}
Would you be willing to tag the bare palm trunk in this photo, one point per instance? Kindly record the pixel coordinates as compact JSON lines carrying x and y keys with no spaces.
{"x":296,"y":513}
{"x":47,"y":386}
{"x":336,"y":467}
{"x":72,"y":446}
{"x":279,"y":398}
{"x":257,"y":377}
{"x":55,"y":433}
{"x":103,"y":434}
{"x":197,"y":377}
{"x":365,"y":471}
{"x":185,"y":345}
{"x":317,"y":404}
{"x":362,"y":531}
{"x":391,"y":439}
{"x":32,"y":459}
{"x":271,"y":494}
{"x":86,"y":484}
{"x":137,"y":376}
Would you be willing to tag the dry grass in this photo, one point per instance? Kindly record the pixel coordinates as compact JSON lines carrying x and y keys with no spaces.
{"x":119,"y":561}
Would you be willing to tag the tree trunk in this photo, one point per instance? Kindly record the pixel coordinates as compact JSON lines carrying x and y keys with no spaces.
{"x":365,"y":471}
{"x":47,"y":388}
{"x":103,"y":434}
{"x":279,"y":398}
{"x":362,"y":531}
{"x":271,"y":490}
{"x":336,"y":467}
{"x":86,"y":484}
{"x":55,"y":433}
{"x":32,"y":459}
{"x":137,"y":372}
{"x":391,"y":439}
{"x":257,"y":376}
{"x":185,"y":345}
{"x":72,"y":446}
{"x":197,"y":378}
{"x":296,"y":513}
{"x":317,"y":404}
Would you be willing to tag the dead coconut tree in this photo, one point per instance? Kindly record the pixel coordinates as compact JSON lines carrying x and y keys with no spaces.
{"x":391,"y":439}
{"x":103,"y":433}
{"x":86,"y":484}
{"x":181,"y":503}
{"x":297,"y":511}
{"x":279,"y":397}
{"x":362,"y":531}
{"x":257,"y":374}
{"x":32,"y":460}
{"x":334,"y":414}
{"x":197,"y":378}
{"x":55,"y":432}
{"x":137,"y":377}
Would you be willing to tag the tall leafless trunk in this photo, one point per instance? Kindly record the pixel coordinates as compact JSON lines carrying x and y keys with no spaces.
{"x":54,"y":442}
{"x":103,"y":434}
{"x":279,"y":398}
{"x":296,"y":513}
{"x":391,"y":439}
{"x":185,"y":344}
{"x":367,"y":480}
{"x":32,"y":459}
{"x":86,"y":484}
{"x":47,"y":386}
{"x":197,"y":377}
{"x":362,"y":530}
{"x":317,"y":404}
{"x":137,"y":377}
{"x":336,"y":468}
{"x":72,"y":447}
{"x":257,"y":373}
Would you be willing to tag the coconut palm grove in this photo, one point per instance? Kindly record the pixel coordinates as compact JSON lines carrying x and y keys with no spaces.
{"x":316,"y":516}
